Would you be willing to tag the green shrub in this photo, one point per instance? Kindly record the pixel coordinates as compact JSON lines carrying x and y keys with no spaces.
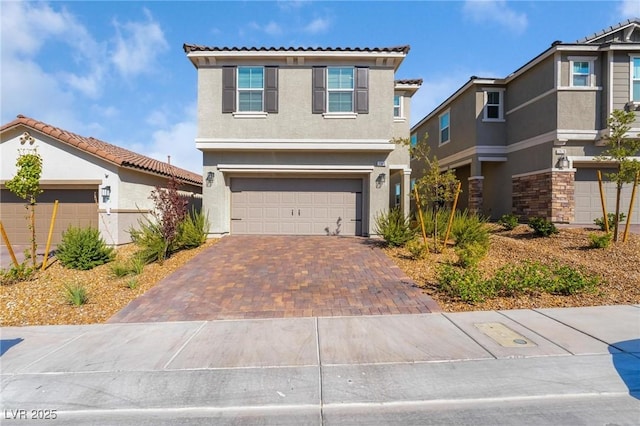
{"x":153,"y":247}
{"x":431,"y":216}
{"x":471,"y":253}
{"x":193,"y":230}
{"x":600,"y":240}
{"x":15,"y":274}
{"x":133,"y":266}
{"x":132,"y":283}
{"x":611,"y":219}
{"x":466,"y":285}
{"x":394,"y":227}
{"x":83,"y":248}
{"x":535,"y":278}
{"x":508,"y":221}
{"x":417,"y":248}
{"x":76,"y":294}
{"x":469,"y":229}
{"x":525,"y":278}
{"x":542,"y":227}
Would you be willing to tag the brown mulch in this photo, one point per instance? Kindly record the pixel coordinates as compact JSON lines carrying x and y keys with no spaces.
{"x":41,"y":301}
{"x":618,"y":267}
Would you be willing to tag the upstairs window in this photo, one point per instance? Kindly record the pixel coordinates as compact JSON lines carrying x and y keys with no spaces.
{"x":493,"y":105}
{"x":581,"y":72}
{"x":340,"y":82}
{"x":635,"y":79}
{"x":340,"y":91}
{"x":397,"y":106}
{"x":250,"y":88}
{"x":414,"y":139}
{"x":444,"y":127}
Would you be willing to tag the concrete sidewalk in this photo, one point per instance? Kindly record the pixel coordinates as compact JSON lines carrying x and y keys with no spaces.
{"x":546,"y":366}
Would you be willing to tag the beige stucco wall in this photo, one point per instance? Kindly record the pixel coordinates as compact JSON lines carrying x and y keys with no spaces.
{"x":294,"y":119}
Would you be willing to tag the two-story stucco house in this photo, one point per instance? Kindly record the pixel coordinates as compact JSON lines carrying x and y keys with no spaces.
{"x":527,"y":143}
{"x":300,"y":140}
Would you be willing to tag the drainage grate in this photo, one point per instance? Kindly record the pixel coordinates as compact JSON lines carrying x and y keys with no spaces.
{"x":505,"y":336}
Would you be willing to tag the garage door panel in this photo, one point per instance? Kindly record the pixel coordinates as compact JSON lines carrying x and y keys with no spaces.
{"x":316,"y":205}
{"x":587,"y":197}
{"x":76,"y":207}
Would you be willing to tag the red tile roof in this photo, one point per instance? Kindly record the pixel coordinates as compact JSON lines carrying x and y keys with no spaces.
{"x":188,"y":48}
{"x":106,"y":151}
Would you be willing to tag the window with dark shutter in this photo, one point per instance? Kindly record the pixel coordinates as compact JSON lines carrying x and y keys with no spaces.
{"x":228,"y":89}
{"x":319,"y":83}
{"x":271,"y":89}
{"x":362,"y":91}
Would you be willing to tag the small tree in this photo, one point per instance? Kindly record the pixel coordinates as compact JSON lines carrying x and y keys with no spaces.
{"x":170,"y":210}
{"x":436,"y":187}
{"x":619,"y":149}
{"x":26,"y":185}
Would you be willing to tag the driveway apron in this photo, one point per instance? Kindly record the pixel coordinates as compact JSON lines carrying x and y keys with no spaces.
{"x":281,"y":276}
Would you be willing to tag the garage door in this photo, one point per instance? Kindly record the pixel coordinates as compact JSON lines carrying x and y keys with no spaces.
{"x":76,"y":207}
{"x":296,"y":206}
{"x":587,"y":197}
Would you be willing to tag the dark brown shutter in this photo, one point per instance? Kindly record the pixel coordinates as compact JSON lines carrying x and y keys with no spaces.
{"x":271,"y":89}
{"x":361,"y":92}
{"x":228,"y":89}
{"x":319,"y":101}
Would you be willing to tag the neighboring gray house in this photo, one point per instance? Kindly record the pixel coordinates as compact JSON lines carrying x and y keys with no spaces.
{"x":527,"y":143}
{"x":96,"y":183}
{"x":300,"y":140}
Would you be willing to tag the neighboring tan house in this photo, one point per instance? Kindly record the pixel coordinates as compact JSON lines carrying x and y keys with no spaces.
{"x":96,"y":184}
{"x":527,"y":143}
{"x":300,"y":140}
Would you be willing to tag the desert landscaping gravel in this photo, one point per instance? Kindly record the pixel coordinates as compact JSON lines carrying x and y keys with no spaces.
{"x":41,"y":301}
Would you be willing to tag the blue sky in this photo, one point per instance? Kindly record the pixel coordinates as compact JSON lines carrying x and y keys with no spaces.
{"x":116,"y":70}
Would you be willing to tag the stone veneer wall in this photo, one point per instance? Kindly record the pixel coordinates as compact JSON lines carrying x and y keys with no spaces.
{"x":475,"y":194}
{"x":549,"y":195}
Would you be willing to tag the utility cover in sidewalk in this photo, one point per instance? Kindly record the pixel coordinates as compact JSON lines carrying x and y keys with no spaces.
{"x":504,"y":335}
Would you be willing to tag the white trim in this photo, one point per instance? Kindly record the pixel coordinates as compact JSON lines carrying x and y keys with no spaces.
{"x":399,"y":167}
{"x":458,"y":164}
{"x":579,"y":88}
{"x":249,"y":114}
{"x":445,"y":112}
{"x":399,"y":119}
{"x":475,"y":178}
{"x":494,"y":159}
{"x":532,"y":100}
{"x":296,"y":168}
{"x":591,"y":77}
{"x":610,"y":78}
{"x":485,"y":97}
{"x":631,"y":59}
{"x":340,"y":115}
{"x":295,"y":144}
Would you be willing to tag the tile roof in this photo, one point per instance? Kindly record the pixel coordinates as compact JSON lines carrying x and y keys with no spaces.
{"x":595,"y":36}
{"x":106,"y":151}
{"x":416,"y":81}
{"x":188,"y":48}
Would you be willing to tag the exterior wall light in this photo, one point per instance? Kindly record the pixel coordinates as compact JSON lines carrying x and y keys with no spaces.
{"x":106,"y":193}
{"x":563,"y":162}
{"x":380,"y":180}
{"x":209,"y":179}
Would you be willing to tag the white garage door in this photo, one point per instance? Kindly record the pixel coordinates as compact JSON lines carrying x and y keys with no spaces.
{"x":587,"y":197}
{"x":296,"y":206}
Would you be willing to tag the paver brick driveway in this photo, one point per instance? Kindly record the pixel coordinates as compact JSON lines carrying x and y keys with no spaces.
{"x":281,"y":276}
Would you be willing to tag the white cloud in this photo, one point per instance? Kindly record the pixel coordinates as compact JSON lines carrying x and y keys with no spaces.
{"x":629,"y":8}
{"x":138,"y":44}
{"x":176,"y":139}
{"x":496,"y":11}
{"x":318,"y":25}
